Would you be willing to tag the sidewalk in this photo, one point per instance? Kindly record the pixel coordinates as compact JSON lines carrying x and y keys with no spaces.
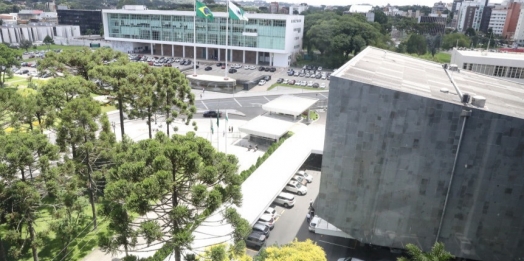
{"x":210,"y":95}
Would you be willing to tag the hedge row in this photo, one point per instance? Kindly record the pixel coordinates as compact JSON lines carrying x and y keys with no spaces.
{"x":167,"y":249}
{"x":246,"y":173}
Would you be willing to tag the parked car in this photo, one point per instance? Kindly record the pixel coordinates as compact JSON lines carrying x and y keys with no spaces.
{"x":319,"y":68}
{"x":209,"y":68}
{"x":315,"y":85}
{"x":261,"y":68}
{"x":272,"y":69}
{"x":246,"y":67}
{"x":306,"y":176}
{"x":323,"y":85}
{"x":280,"y":80}
{"x":268,"y":220}
{"x":303,"y":83}
{"x":310,"y":84}
{"x":25,"y":71}
{"x":219,"y":64}
{"x":296,"y":187}
{"x":267,"y":78}
{"x":212,"y":114}
{"x":318,"y":76}
{"x":285,"y":81}
{"x":285,"y":199}
{"x":271,"y":211}
{"x":349,"y":259}
{"x":290,"y":73}
{"x":256,"y":240}
{"x":262,"y":82}
{"x":252,"y":67}
{"x":232,"y":70}
{"x":259,"y":227}
{"x":300,"y":180}
{"x":291,"y":82}
{"x":297,"y":74}
{"x":223,"y":67}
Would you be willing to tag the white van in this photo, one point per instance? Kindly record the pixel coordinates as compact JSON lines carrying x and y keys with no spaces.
{"x":285,"y":199}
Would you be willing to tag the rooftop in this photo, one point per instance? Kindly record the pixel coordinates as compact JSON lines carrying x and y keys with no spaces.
{"x":289,"y":104}
{"x":497,"y":55}
{"x":424,"y":78}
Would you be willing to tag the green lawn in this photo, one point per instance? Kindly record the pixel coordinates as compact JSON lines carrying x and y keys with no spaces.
{"x":108,"y":108}
{"x":274,"y":85}
{"x":439,"y":57}
{"x":55,"y":46}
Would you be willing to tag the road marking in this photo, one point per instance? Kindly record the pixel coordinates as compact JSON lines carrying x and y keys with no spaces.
{"x":204,"y":105}
{"x":237,"y":102}
{"x":323,"y":95}
{"x":266,"y":98}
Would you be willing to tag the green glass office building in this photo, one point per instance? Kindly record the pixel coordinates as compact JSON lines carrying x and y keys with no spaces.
{"x":270,"y":39}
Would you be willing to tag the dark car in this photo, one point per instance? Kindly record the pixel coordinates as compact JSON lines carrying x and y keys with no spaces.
{"x":209,"y":68}
{"x":25,"y":71}
{"x":232,"y":70}
{"x":183,"y":61}
{"x":188,"y":62}
{"x":261,"y":68}
{"x":308,"y":67}
{"x":256,"y":240}
{"x":272,"y":69}
{"x":318,"y":76}
{"x":280,"y":80}
{"x":212,"y":114}
{"x":267,"y":69}
{"x":290,"y":73}
{"x":315,"y":85}
{"x":267,"y":78}
{"x":258,"y":227}
{"x":219,"y":64}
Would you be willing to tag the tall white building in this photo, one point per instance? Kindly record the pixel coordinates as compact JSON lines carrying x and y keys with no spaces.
{"x":519,"y":32}
{"x":497,"y":20}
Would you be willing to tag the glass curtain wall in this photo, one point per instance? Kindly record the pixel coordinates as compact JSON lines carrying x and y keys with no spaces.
{"x":270,"y":34}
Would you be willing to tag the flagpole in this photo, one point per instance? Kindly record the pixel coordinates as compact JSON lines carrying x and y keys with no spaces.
{"x":227,"y":121}
{"x":194,"y":41}
{"x":227,"y":33}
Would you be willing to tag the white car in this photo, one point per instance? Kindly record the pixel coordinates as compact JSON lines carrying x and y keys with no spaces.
{"x":310,"y":84}
{"x":246,"y":67}
{"x":285,"y":199}
{"x":319,"y":68}
{"x":262,"y":82}
{"x":285,"y":81}
{"x":323,"y":85}
{"x":252,"y":67}
{"x":303,"y":83}
{"x":323,"y":77}
{"x":271,"y":211}
{"x":304,"y":175}
{"x":296,"y":187}
{"x":267,"y":220}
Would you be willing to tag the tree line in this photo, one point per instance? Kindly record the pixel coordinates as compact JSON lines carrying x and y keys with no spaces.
{"x":179,"y":179}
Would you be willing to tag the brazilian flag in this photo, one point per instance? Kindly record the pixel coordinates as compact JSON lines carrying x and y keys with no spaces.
{"x":203,"y":11}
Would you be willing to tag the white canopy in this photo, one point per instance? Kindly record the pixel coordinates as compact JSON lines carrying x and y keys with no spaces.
{"x":290,"y":105}
{"x":267,"y":126}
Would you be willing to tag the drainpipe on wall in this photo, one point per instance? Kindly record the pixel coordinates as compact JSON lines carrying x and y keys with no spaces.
{"x":465,"y":114}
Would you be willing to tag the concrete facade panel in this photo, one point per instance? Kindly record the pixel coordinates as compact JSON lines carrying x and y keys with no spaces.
{"x":387,"y":166}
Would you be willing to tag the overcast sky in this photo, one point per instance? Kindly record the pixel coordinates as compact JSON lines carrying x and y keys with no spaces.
{"x":372,"y":2}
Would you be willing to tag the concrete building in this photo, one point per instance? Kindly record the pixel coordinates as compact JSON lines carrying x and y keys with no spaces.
{"x":271,"y":39}
{"x":36,"y":32}
{"x":498,"y":19}
{"x":298,"y":9}
{"x":273,"y":8}
{"x":406,"y":161}
{"x":439,"y":8}
{"x":9,"y":19}
{"x":509,"y":66}
{"x":470,"y":15}
{"x":365,"y":9}
{"x":29,"y":15}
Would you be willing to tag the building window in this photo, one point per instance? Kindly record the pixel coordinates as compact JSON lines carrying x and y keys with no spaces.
{"x":500,"y":71}
{"x":465,"y":66}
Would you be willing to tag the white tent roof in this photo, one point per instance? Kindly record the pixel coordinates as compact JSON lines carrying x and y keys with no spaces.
{"x":288,"y":104}
{"x":272,"y":127}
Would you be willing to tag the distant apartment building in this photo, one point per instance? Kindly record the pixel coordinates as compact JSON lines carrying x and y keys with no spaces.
{"x":29,"y":15}
{"x":365,"y":9}
{"x":497,"y":19}
{"x":512,"y":19}
{"x":486,"y":17}
{"x":469,"y":15}
{"x":273,"y":8}
{"x":298,"y":8}
{"x":439,"y":8}
{"x":519,"y":31}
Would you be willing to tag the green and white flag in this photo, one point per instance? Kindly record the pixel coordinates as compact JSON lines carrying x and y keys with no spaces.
{"x":211,"y":123}
{"x":203,"y":11}
{"x":236,"y":13}
{"x":227,"y":118}
{"x":218,"y":117}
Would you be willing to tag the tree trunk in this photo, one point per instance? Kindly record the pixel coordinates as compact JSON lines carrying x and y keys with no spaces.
{"x":91,"y":194}
{"x":2,"y":251}
{"x":167,"y":122}
{"x":174,"y":201}
{"x":121,"y":113}
{"x":149,"y":122}
{"x":33,"y":240}
{"x":31,"y":173}
{"x":23,"y":174}
{"x":39,"y":117}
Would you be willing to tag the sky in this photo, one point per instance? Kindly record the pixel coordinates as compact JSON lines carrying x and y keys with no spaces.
{"x":372,"y":2}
